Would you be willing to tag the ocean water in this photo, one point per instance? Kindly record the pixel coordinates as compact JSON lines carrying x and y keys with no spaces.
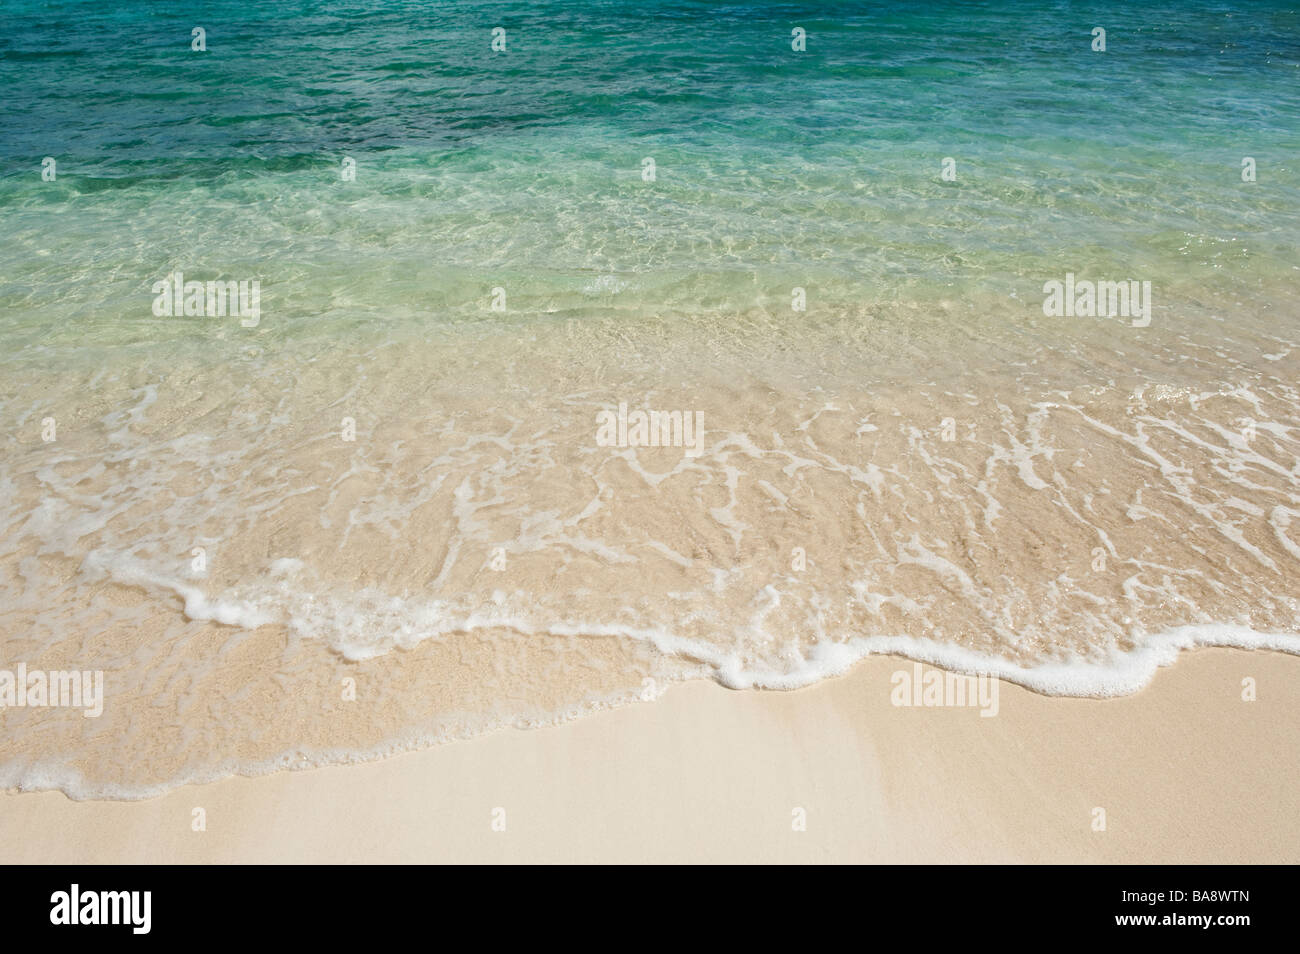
{"x":382,"y":512}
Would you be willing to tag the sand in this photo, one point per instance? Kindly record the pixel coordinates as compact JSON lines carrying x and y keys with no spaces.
{"x":1186,"y":771}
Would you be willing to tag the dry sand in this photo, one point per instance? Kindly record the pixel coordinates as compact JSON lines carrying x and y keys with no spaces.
{"x":1186,"y":771}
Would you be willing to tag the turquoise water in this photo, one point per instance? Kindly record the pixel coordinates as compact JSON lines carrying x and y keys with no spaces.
{"x":523,"y":168}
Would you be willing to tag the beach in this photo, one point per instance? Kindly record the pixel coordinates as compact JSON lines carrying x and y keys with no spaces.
{"x":711,"y":775}
{"x":671,"y":432}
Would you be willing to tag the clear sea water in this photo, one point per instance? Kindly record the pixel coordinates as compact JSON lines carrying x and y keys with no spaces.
{"x":523,"y":168}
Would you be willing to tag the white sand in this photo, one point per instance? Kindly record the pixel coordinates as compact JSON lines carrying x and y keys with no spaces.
{"x":1186,"y":771}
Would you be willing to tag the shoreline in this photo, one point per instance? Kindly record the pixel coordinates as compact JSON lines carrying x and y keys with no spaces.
{"x":451,"y":558}
{"x":706,"y":773}
{"x":1121,"y":673}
